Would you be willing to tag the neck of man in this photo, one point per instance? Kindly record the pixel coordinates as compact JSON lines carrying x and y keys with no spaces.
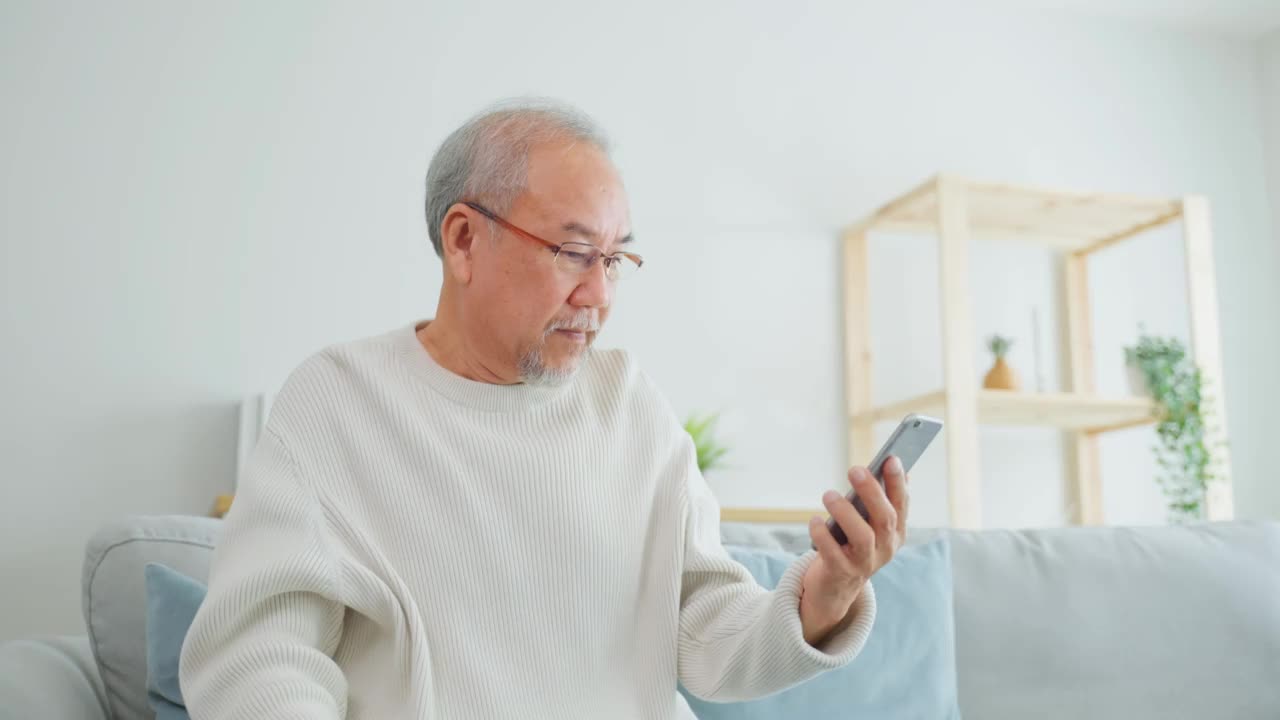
{"x":449,"y":346}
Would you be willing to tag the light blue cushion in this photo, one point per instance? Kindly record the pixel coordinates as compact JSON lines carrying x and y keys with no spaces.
{"x":172,"y":601}
{"x":907,"y":668}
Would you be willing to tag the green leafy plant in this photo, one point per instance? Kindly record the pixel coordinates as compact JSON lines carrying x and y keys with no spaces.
{"x":999,"y":345}
{"x":702,"y":430}
{"x":1183,"y":448}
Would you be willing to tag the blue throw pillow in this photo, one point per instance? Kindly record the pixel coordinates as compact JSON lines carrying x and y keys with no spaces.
{"x":907,"y":668}
{"x":172,"y":601}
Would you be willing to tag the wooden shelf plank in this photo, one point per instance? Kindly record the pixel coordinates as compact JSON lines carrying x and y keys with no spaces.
{"x":964,"y":474}
{"x":773,"y":516}
{"x":930,"y":404}
{"x":1063,"y":219}
{"x":1206,"y":348}
{"x":1084,"y":484}
{"x":857,"y":339}
{"x":1019,"y":234}
{"x":1067,"y":411}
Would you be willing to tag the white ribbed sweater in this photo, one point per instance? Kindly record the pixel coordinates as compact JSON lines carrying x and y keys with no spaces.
{"x":408,"y":543}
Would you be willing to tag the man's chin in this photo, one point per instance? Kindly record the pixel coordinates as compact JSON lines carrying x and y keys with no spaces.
{"x":552,"y":372}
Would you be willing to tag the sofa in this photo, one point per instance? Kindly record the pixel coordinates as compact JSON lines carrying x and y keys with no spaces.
{"x":1111,"y":622}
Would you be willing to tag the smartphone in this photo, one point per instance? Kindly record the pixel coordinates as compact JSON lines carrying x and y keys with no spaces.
{"x":907,"y":443}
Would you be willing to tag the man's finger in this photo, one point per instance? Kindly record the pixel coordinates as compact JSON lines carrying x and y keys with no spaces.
{"x":895,"y":487}
{"x":856,"y":530}
{"x":883,"y":516}
{"x":826,"y":545}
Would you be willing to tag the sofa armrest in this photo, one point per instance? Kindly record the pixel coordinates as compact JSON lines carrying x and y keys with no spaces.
{"x":53,"y":678}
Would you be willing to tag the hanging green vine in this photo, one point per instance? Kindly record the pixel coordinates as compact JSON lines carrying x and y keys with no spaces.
{"x":1183,"y":449}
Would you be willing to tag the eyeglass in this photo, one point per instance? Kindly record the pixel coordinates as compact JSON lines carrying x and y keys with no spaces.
{"x":573,"y":257}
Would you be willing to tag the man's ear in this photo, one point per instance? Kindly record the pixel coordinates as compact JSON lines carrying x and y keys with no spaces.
{"x":457,"y":239}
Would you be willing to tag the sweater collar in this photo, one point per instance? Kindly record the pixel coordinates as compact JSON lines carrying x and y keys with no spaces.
{"x":470,"y":393}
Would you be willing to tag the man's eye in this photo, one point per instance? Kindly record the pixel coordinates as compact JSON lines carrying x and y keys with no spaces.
{"x":574,"y":256}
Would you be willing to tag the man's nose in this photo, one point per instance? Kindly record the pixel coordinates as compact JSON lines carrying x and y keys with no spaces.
{"x":594,"y":287}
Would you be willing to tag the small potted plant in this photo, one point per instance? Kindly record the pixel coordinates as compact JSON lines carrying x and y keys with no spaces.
{"x":1183,"y":432}
{"x":702,"y":430}
{"x":1000,"y":376}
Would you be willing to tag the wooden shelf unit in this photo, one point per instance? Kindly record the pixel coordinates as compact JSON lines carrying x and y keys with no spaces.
{"x":1076,"y":225}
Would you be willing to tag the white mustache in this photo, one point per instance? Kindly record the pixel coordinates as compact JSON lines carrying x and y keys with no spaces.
{"x":581,"y":323}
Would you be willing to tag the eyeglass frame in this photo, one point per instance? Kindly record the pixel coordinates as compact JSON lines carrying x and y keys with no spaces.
{"x":556,"y":247}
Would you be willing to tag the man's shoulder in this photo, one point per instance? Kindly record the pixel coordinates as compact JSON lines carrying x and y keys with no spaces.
{"x":334,"y":370}
{"x":346,"y":358}
{"x":617,"y":373}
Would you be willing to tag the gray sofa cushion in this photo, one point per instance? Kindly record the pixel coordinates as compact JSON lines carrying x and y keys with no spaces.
{"x":114,"y":596}
{"x":50,"y":678}
{"x":1110,"y":622}
{"x":1150,"y":622}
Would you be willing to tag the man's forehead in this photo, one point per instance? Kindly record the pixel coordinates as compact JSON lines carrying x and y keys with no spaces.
{"x":596,"y":237}
{"x":578,"y":188}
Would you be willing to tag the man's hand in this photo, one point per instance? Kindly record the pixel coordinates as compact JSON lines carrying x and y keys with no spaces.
{"x":838,"y":573}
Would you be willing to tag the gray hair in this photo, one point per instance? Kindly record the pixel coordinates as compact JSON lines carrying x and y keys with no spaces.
{"x":488,"y":156}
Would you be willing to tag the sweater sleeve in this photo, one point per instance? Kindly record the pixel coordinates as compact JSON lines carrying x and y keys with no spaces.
{"x":738,"y":641}
{"x":262,"y":642}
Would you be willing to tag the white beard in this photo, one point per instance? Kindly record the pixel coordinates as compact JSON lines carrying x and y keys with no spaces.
{"x":534,"y":370}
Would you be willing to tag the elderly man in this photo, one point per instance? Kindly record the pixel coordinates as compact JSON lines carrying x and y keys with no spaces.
{"x":477,"y":516}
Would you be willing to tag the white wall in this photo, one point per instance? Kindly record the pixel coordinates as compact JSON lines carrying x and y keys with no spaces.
{"x":197,"y":196}
{"x":1269,"y":88}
